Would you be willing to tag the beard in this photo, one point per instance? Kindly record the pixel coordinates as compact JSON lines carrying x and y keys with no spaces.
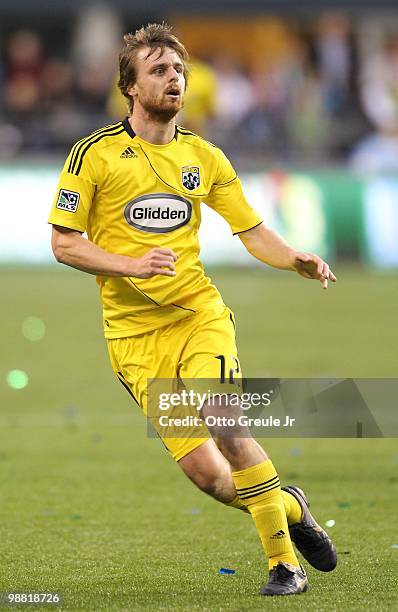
{"x":161,"y":111}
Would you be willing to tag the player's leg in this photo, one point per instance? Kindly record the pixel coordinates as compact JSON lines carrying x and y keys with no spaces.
{"x":211,"y":346}
{"x":208,"y":469}
{"x":135,"y":359}
{"x":217,"y":479}
{"x":256,"y":482}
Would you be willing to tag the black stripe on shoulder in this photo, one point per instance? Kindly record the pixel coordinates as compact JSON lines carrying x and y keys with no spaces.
{"x":89,"y":144}
{"x":81,"y":150}
{"x":185,"y":132}
{"x":85,"y":139}
{"x":81,"y":143}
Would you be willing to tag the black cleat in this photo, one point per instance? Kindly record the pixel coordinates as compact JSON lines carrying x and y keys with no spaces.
{"x":285,"y":579}
{"x":310,"y":539}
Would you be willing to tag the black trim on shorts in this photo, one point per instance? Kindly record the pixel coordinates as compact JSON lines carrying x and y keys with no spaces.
{"x":165,"y":445}
{"x":125,"y":385}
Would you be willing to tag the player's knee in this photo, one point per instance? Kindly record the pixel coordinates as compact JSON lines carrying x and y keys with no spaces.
{"x":209,"y":481}
{"x":209,"y":470}
{"x":233,"y":448}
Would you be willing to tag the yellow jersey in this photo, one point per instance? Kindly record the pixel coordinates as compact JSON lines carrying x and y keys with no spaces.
{"x":131,"y":196}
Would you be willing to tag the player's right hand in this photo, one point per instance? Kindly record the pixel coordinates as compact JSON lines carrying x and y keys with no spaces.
{"x":156,"y":261}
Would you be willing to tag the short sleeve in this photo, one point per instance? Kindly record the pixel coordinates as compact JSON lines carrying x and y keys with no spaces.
{"x":75,"y":192}
{"x":227,"y":198}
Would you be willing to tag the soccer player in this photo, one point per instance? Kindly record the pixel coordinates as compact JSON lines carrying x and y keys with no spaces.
{"x":135,"y":187}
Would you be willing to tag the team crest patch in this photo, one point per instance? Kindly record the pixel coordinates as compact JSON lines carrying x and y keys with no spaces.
{"x":190,"y":177}
{"x":68,"y":200}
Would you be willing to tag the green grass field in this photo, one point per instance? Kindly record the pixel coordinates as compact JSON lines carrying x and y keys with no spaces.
{"x":93,"y":508}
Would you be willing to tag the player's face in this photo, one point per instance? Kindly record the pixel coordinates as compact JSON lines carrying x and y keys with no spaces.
{"x":160,"y":84}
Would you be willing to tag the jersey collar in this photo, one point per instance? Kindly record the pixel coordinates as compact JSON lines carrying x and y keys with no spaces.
{"x":127,"y":126}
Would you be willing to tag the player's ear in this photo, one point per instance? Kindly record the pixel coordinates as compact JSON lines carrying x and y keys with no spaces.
{"x":132,"y":90}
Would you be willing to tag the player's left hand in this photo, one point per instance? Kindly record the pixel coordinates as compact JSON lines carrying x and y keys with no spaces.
{"x":312,"y":266}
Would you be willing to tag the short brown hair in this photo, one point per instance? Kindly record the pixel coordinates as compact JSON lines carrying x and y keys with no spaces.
{"x":154,"y":36}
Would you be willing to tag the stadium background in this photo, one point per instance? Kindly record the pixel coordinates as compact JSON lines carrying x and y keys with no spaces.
{"x":304,"y":101}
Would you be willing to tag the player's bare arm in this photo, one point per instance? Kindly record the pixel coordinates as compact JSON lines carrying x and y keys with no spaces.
{"x":72,"y":249}
{"x":270,"y":248}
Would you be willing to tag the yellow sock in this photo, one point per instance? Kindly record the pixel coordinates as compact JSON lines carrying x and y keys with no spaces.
{"x":259,"y":489}
{"x":292,"y":508}
{"x":236,"y":503}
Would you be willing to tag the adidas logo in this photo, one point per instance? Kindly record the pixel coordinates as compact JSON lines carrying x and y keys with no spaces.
{"x":128,"y":153}
{"x":279,"y":534}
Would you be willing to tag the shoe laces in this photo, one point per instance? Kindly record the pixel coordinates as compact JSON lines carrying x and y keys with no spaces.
{"x":280,"y":573}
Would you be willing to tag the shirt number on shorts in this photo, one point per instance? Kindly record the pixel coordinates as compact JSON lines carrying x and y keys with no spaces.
{"x":232,"y":371}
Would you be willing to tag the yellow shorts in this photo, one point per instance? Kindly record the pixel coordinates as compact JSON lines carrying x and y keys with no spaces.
{"x":202,"y":346}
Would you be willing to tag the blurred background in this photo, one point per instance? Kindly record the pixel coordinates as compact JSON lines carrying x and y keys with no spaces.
{"x":305,"y":103}
{"x":303,"y":100}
